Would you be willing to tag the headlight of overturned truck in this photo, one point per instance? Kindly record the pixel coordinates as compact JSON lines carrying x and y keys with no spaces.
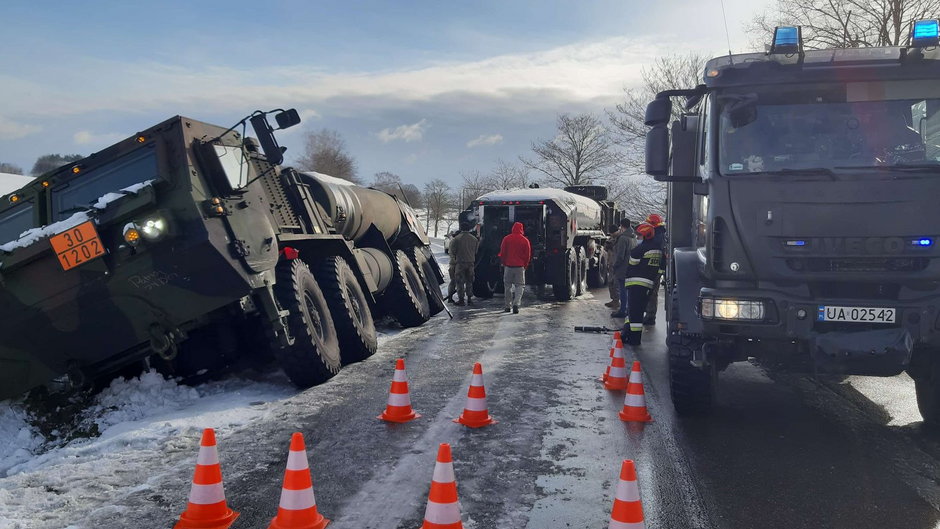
{"x":151,"y":229}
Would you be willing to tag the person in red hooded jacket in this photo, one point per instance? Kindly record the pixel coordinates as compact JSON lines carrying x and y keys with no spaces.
{"x":515,"y":253}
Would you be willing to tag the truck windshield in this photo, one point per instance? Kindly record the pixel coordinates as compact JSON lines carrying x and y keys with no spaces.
{"x":85,"y":189}
{"x":14,"y":221}
{"x":826,"y":127}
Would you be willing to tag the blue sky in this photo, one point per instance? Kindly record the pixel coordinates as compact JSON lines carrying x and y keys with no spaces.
{"x":425,"y":89}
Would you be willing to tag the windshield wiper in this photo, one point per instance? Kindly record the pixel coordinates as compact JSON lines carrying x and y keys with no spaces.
{"x":811,"y":171}
{"x":907,"y":168}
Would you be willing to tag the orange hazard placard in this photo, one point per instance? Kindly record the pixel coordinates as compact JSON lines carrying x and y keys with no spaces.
{"x":78,"y":245}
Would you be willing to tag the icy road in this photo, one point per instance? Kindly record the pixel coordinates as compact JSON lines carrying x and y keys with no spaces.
{"x":781,"y":451}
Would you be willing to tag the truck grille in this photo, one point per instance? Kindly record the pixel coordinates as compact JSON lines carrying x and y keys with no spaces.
{"x":854,"y":290}
{"x":280,"y":205}
{"x":858,"y":264}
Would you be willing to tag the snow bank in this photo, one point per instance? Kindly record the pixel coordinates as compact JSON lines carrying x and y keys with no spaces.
{"x":11,"y":182}
{"x":18,"y":440}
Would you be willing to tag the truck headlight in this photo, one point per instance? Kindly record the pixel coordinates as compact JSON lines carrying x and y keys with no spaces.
{"x":732,"y":309}
{"x":153,"y":229}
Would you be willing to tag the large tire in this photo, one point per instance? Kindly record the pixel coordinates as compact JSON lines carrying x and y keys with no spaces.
{"x":582,"y":286}
{"x":405,"y":298}
{"x":565,"y":291}
{"x":431,"y":287}
{"x":314,"y":356}
{"x":927,"y":388}
{"x":597,"y":276}
{"x":691,"y":388}
{"x":483,"y":288}
{"x":355,"y":327}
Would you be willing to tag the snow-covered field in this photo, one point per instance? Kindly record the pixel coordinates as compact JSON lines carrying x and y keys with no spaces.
{"x":139,"y":421}
{"x":12,"y":182}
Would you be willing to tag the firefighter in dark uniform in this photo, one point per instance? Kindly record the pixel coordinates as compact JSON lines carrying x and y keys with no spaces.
{"x":642,"y":273}
{"x":659,"y":233}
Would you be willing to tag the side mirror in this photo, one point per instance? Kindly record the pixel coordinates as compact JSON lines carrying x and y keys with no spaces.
{"x":272,"y":151}
{"x":657,"y":149}
{"x":658,"y":111}
{"x":287,"y":119}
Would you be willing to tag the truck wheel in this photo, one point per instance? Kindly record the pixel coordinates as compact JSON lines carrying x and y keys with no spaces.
{"x":431,"y":288}
{"x":565,"y":291}
{"x":482,"y":288}
{"x":405,"y":298}
{"x":927,"y":387}
{"x":691,"y":387}
{"x":597,"y":276}
{"x":355,"y":327}
{"x":581,"y":287}
{"x":314,"y":356}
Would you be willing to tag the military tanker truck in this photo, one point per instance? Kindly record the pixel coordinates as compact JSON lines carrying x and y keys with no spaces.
{"x":189,"y":245}
{"x":803,"y":227}
{"x":566,"y":227}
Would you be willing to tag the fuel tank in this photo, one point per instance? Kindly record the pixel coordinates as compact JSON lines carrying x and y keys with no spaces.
{"x":354,"y":208}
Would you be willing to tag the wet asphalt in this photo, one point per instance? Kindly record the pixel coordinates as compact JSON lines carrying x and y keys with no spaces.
{"x":780,"y":450}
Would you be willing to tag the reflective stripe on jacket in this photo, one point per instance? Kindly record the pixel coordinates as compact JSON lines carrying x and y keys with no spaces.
{"x":645,"y":262}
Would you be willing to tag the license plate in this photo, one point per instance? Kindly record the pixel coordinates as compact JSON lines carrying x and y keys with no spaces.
{"x":856,"y":314}
{"x":76,"y":246}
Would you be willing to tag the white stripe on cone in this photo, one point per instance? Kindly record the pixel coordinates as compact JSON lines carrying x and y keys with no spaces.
{"x":297,"y":500}
{"x":618,"y":372}
{"x":442,"y":513}
{"x":628,"y":491}
{"x":297,"y":460}
{"x":476,"y":379}
{"x":399,"y":399}
{"x":636,"y":377}
{"x":476,"y":403}
{"x":206,"y":494}
{"x":634,"y":401}
{"x":208,"y":455}
{"x":399,"y":376}
{"x":444,"y":473}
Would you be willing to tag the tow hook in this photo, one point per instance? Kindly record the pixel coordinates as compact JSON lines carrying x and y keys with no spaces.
{"x":163,"y":342}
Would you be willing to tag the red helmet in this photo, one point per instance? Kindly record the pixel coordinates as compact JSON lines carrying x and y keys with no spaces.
{"x":654,"y":220}
{"x":645,"y":231}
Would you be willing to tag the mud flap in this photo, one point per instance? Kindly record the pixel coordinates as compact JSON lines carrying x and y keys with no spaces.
{"x":883,"y":352}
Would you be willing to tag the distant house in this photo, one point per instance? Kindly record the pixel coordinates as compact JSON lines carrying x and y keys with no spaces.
{"x":11,"y":182}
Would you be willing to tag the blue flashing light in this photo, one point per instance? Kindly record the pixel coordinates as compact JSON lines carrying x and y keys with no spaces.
{"x":787,"y":40}
{"x":786,"y":36}
{"x":926,"y":33}
{"x":796,"y":243}
{"x":923,"y":242}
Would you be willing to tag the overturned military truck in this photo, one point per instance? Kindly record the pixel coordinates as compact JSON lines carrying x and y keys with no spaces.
{"x":190,"y":246}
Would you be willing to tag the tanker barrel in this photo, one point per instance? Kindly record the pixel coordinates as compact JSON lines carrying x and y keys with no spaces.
{"x":354,"y":208}
{"x":379,"y":265}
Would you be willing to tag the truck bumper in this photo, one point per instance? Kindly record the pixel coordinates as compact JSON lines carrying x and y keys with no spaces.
{"x":863,"y":348}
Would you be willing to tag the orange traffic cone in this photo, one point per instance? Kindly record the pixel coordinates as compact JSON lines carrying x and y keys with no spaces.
{"x":628,"y":510}
{"x":399,"y":403}
{"x":617,"y":345}
{"x":443,"y":511}
{"x":475,"y":413}
{"x":634,"y":402}
{"x":616,"y":339}
{"x":617,"y":376}
{"x":298,"y":507}
{"x":207,"y":508}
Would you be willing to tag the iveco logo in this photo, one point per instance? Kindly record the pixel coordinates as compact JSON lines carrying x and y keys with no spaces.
{"x":858,"y":245}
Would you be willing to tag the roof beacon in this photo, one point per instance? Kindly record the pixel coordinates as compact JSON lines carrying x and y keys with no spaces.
{"x":926,"y":33}
{"x":787,"y":40}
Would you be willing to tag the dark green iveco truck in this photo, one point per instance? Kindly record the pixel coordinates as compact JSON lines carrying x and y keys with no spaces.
{"x":803,"y":220}
{"x":189,"y":245}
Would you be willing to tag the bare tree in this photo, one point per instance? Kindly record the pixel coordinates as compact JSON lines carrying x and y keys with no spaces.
{"x":637,"y":194}
{"x":846,"y":23}
{"x":9,"y":168}
{"x":506,"y":175}
{"x":581,"y":153}
{"x":392,"y":184}
{"x":49,"y":162}
{"x":325,"y":152}
{"x":438,"y":201}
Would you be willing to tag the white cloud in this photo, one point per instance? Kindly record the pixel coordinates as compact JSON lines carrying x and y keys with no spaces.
{"x":485,"y":139}
{"x":86,"y":137}
{"x":12,"y":130}
{"x":405,"y":133}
